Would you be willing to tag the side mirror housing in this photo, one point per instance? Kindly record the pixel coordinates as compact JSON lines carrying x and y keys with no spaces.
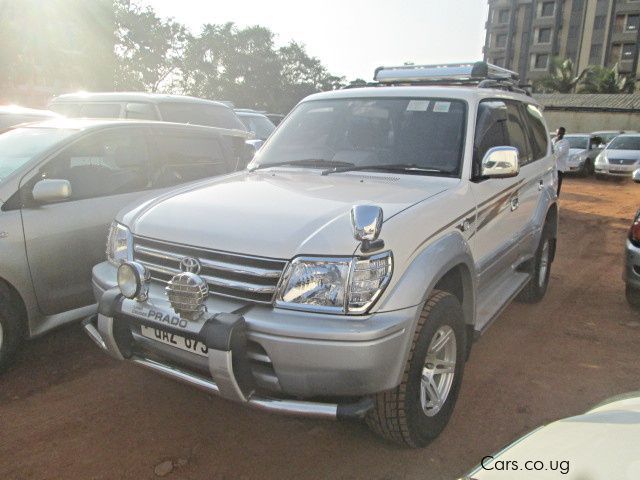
{"x":500,"y":162}
{"x":636,"y":176}
{"x":50,"y":191}
{"x":366,"y":221}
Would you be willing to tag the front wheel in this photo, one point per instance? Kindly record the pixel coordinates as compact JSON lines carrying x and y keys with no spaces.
{"x":10,"y":330}
{"x":633,"y":296}
{"x":417,"y":410}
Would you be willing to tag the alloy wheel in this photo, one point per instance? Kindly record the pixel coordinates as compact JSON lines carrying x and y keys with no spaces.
{"x":438,"y":371}
{"x":544,"y":264}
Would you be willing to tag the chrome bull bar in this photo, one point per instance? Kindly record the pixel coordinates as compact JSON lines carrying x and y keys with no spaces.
{"x":100,"y":329}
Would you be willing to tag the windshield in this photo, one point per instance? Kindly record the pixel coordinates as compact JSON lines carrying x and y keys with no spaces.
{"x":200,"y":114}
{"x":258,"y":124}
{"x":422,"y":132}
{"x":578,"y":142}
{"x":625,"y":143}
{"x":19,"y":146}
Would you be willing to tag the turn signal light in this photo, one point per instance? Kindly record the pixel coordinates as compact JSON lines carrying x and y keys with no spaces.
{"x":634,"y":233}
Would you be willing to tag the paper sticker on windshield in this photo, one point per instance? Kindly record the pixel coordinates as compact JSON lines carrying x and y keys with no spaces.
{"x":441,"y":107}
{"x":418,"y":106}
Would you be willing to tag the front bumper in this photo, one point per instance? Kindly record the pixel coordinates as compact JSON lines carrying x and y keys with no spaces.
{"x":290,"y":354}
{"x":631,"y":274}
{"x":615,"y":170}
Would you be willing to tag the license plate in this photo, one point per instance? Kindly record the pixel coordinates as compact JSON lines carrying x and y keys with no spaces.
{"x":177,"y":341}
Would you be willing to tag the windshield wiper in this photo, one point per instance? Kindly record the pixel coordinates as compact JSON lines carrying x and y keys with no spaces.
{"x":390,"y":167}
{"x":307,"y":162}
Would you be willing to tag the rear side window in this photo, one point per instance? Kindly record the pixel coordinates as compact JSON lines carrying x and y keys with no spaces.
{"x":100,"y":110}
{"x":538,"y":133}
{"x":66,"y":109}
{"x":491,"y":130}
{"x":200,"y":114}
{"x":184,"y":157}
{"x":517,"y":133}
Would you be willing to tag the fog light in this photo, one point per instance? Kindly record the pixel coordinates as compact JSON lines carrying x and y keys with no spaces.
{"x":133,"y":281}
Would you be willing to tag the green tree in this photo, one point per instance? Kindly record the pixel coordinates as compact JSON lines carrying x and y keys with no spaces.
{"x":148,"y":49}
{"x":561,"y":78}
{"x":606,"y":80}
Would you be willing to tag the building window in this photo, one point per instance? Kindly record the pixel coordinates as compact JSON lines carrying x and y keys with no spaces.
{"x":633,"y":23}
{"x":599,"y":22}
{"x":503,"y":16}
{"x":544,"y":35}
{"x":501,"y":40}
{"x":595,"y":55}
{"x":628,"y":52}
{"x":499,"y":62}
{"x":540,"y":61}
{"x":547,"y":9}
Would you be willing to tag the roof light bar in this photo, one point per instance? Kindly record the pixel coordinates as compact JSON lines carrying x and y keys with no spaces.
{"x":455,"y":72}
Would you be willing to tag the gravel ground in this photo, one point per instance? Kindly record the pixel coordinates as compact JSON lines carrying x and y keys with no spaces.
{"x":68,"y":411}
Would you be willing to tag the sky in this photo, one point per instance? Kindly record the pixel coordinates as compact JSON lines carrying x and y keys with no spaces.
{"x":352,"y":37}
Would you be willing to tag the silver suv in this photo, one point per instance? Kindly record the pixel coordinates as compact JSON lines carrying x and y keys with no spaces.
{"x":347,"y":271}
{"x":61,"y":184}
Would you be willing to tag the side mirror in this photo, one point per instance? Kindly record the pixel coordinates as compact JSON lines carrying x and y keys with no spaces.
{"x":50,"y":191}
{"x":500,"y":162}
{"x":636,"y":176}
{"x":366,"y":221}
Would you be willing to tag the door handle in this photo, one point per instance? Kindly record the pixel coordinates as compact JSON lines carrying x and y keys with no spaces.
{"x":540,"y":184}
{"x":515,"y":203}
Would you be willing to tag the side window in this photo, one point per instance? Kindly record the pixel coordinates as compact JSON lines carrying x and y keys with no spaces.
{"x":183,"y":157}
{"x":67,"y":109}
{"x":102,"y":164}
{"x":517,"y":134}
{"x":538,"y":133}
{"x":140,"y":111}
{"x":491,"y":130}
{"x":100,"y":110}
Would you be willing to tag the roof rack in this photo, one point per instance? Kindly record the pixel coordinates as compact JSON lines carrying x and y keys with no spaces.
{"x":482,"y":74}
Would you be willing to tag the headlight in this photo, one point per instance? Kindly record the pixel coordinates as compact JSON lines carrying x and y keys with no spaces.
{"x":600,"y":159}
{"x":118,"y":244}
{"x":335,"y":285}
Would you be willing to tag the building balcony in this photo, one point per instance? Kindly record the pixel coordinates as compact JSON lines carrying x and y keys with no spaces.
{"x":544,"y":22}
{"x":629,"y":7}
{"x":628,"y":36}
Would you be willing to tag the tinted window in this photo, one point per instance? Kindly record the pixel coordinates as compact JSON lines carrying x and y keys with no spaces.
{"x":183,"y":157}
{"x":66,"y":109}
{"x":621,"y":143}
{"x":537,"y":131}
{"x":491,"y":130}
{"x":517,"y":133}
{"x":20,"y":145}
{"x":105,"y":163}
{"x":100,"y":110}
{"x":200,"y":114}
{"x":140,"y":111}
{"x":259,"y":125}
{"x":427,"y":133}
{"x":578,"y":142}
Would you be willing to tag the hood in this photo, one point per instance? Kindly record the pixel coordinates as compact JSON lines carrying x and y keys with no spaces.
{"x":277,"y":213}
{"x":622,"y":154}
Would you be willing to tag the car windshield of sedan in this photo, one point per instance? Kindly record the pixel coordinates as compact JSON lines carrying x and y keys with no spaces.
{"x":418,"y":136}
{"x":625,"y":143}
{"x":20,"y":145}
{"x":578,"y":142}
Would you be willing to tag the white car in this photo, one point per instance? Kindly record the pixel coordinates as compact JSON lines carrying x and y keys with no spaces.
{"x":347,"y":271}
{"x":599,"y":444}
{"x":583,"y":150}
{"x":620,"y":158}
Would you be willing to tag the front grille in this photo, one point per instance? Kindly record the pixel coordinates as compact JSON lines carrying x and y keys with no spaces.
{"x":227,"y":274}
{"x":622,"y":161}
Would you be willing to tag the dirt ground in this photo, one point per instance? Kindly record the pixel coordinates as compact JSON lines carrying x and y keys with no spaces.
{"x":67,"y":411}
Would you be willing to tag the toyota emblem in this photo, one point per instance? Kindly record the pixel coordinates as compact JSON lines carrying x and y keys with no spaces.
{"x":190,"y":264}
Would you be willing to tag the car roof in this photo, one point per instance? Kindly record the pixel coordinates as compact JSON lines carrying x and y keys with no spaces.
{"x":97,"y":123}
{"x":630,"y":134}
{"x":578,"y":135}
{"x":132,"y":97}
{"x":469,"y":94}
{"x":15,"y":109}
{"x":242,"y":113}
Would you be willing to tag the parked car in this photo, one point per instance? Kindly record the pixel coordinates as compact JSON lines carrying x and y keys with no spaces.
{"x":257,"y":123}
{"x":632,"y":257}
{"x":620,"y":158}
{"x":11,"y":115}
{"x":598,"y":444}
{"x":147,"y":106}
{"x":608,"y":135}
{"x":61,"y":184}
{"x":346,"y":272}
{"x":583,"y":150}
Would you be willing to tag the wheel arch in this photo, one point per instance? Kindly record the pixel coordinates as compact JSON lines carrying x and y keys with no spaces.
{"x":17,"y":301}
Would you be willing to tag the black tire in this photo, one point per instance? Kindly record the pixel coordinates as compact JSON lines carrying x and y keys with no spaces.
{"x":633,"y":296}
{"x":12,"y":331}
{"x":537,"y":285}
{"x":398,"y":414}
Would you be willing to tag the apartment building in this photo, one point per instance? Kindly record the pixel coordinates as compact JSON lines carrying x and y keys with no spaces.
{"x":523,"y":35}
